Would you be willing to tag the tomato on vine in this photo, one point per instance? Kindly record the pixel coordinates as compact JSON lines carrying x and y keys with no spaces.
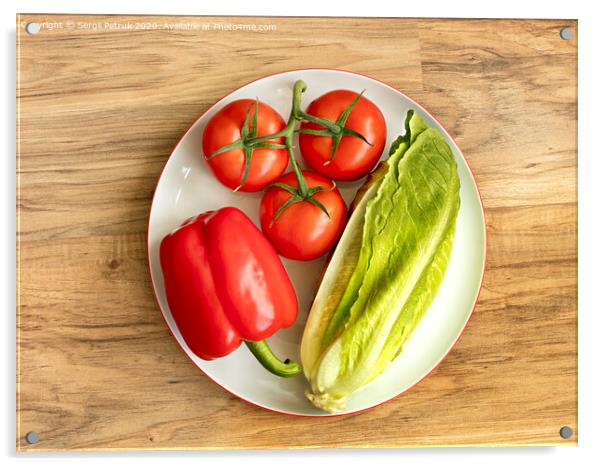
{"x":303,"y":227}
{"x":235,"y":163}
{"x":345,"y":136}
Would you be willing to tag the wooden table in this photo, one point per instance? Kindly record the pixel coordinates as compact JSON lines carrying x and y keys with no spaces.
{"x":102,"y":100}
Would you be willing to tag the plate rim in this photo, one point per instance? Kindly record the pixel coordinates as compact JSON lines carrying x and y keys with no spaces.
{"x":484,"y":266}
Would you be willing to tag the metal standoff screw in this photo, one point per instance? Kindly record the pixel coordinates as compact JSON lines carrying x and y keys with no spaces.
{"x":566,"y":33}
{"x":566,"y":432}
{"x":32,"y":28}
{"x":32,"y":437}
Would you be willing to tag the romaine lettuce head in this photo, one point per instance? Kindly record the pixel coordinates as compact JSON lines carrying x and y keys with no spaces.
{"x":386,"y":269}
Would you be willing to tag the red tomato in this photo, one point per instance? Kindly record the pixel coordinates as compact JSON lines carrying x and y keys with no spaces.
{"x":353,"y":157}
{"x":302,"y":231}
{"x":225,"y":127}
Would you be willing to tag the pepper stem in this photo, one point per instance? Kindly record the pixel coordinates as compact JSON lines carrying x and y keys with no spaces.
{"x":270,"y":361}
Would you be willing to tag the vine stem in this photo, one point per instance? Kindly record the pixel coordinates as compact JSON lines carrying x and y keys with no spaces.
{"x":335,"y":129}
{"x":288,"y":133}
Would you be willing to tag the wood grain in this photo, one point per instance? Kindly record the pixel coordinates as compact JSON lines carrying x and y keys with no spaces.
{"x":98,"y":114}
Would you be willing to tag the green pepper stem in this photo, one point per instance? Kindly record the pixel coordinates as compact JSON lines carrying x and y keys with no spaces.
{"x":270,"y":361}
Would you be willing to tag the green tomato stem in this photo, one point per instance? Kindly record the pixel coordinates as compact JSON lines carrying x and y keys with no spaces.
{"x":288,"y":133}
{"x":330,"y":125}
{"x":250,"y":141}
{"x":303,"y":188}
{"x":293,"y":118}
{"x":270,"y":361}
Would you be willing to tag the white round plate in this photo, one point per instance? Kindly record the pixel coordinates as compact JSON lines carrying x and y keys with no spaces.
{"x":187,"y":187}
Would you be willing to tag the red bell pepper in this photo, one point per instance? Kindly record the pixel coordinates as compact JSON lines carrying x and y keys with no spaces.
{"x":224,"y":284}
